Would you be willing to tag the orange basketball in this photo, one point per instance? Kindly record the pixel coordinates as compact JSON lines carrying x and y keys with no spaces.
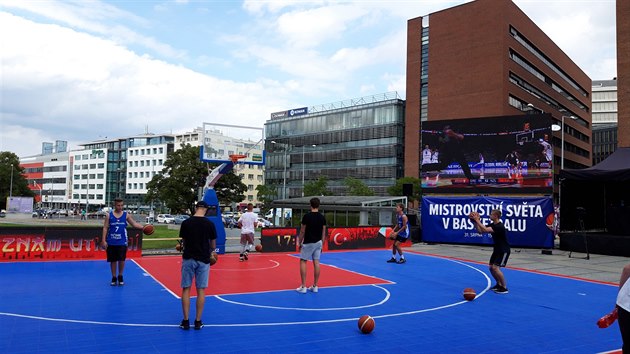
{"x":148,"y":229}
{"x":366,"y":324}
{"x":258,"y":248}
{"x":469,"y":294}
{"x":214,"y":257}
{"x":550,"y":219}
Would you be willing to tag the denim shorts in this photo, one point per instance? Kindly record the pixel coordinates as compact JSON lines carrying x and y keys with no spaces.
{"x":199,"y":270}
{"x":311,"y":251}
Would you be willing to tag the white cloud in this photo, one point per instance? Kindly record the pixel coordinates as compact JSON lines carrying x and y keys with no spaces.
{"x":105,"y":89}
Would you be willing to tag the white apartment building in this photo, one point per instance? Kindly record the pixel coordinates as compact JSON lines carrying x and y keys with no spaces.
{"x":48,"y":177}
{"x":88,"y":172}
{"x":143,"y":163}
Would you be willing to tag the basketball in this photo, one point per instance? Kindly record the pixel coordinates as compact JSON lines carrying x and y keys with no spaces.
{"x":178,"y":247}
{"x":366,"y":324}
{"x":469,"y":294}
{"x":214,"y":257}
{"x":258,"y":248}
{"x":148,"y":229}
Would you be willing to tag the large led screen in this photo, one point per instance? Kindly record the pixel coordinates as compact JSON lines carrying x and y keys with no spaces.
{"x":511,"y":154}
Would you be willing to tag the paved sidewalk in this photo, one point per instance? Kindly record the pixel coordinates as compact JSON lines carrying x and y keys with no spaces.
{"x":598,"y":267}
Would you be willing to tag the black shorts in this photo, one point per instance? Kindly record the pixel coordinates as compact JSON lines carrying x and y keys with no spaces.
{"x":116,"y":253}
{"x":499,"y":257}
{"x":401,"y":239}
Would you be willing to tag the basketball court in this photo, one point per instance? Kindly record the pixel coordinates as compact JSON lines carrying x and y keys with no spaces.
{"x":253,"y":307}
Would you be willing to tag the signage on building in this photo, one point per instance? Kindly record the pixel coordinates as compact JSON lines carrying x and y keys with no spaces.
{"x":298,"y":111}
{"x":277,"y":115}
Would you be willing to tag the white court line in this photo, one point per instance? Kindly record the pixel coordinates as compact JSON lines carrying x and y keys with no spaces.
{"x":387,"y":295}
{"x":157,"y":281}
{"x":268,"y":323}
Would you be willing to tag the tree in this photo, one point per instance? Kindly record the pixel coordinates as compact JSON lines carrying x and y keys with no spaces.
{"x":397,"y":189}
{"x":266,"y":194}
{"x":317,"y":188}
{"x":357,"y":187}
{"x":178,"y":184}
{"x":19,"y":187}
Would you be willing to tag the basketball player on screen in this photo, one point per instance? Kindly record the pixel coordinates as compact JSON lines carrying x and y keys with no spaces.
{"x":501,"y":251}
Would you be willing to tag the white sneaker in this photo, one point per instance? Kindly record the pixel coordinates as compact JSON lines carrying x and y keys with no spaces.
{"x":301,"y":290}
{"x":313,"y":288}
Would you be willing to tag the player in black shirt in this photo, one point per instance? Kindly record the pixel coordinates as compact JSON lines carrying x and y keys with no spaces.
{"x":501,"y":251}
{"x":311,"y":240}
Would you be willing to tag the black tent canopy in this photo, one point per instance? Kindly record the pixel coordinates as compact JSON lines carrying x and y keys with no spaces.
{"x":597,"y":197}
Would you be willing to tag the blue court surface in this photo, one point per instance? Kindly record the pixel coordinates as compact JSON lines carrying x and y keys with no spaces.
{"x":53,"y":307}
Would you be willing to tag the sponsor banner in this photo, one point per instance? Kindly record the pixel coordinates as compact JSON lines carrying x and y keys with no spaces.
{"x":445,"y":219}
{"x":298,"y":111}
{"x":344,"y":238}
{"x":37,"y":244}
{"x":277,"y":115}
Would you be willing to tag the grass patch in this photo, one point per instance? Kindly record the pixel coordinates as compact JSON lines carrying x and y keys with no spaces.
{"x":150,"y":242}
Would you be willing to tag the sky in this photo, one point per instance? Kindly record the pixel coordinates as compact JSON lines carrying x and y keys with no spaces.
{"x":85,"y":70}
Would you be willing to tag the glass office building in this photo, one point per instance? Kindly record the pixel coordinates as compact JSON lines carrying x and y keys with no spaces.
{"x":361,"y":138}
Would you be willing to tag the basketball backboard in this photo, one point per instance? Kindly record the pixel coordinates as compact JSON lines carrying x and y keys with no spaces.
{"x":219,"y":141}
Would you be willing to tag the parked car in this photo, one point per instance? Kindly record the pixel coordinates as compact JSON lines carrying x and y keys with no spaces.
{"x":180,"y":219}
{"x":165,"y":218}
{"x":261,"y":222}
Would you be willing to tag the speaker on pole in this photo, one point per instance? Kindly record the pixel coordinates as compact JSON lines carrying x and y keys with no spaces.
{"x":407,"y":189}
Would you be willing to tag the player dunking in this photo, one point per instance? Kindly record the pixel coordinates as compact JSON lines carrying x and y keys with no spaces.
{"x":400,"y":234}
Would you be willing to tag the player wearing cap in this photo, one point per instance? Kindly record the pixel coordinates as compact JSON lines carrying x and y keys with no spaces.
{"x":198,"y":236}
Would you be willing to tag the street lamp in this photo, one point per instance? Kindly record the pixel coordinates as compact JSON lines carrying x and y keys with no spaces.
{"x":304,"y":148}
{"x":11,"y":188}
{"x":562,"y":138}
{"x":284,"y":173}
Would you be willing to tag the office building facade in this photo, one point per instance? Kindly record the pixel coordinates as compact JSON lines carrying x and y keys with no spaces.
{"x":604,"y":119}
{"x":361,"y":138}
{"x":486,"y":58}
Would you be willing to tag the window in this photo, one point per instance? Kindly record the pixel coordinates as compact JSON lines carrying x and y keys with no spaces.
{"x":250,"y":176}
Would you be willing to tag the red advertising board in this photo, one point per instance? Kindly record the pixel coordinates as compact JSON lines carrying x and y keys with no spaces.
{"x":46,"y":243}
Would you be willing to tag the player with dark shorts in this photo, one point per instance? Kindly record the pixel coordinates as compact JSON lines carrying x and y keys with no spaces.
{"x":501,"y":251}
{"x":400,"y":234}
{"x":114,"y":239}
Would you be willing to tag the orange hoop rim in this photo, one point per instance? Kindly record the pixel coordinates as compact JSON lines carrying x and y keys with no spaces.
{"x":236,"y":157}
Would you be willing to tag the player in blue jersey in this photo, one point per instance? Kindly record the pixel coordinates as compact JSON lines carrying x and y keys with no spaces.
{"x":114,"y":239}
{"x":399,"y":234}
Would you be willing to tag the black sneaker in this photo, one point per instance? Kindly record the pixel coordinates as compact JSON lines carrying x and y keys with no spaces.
{"x":185,"y":325}
{"x":501,"y":290}
{"x":198,"y":325}
{"x":495,"y":287}
{"x":392,"y":260}
{"x":241,"y":258}
{"x":245,"y":255}
{"x":113,"y":283}
{"x":120,"y":280}
{"x":402,"y":260}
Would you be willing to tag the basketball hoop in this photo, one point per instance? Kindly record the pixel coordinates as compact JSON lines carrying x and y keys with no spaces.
{"x":237,"y":165}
